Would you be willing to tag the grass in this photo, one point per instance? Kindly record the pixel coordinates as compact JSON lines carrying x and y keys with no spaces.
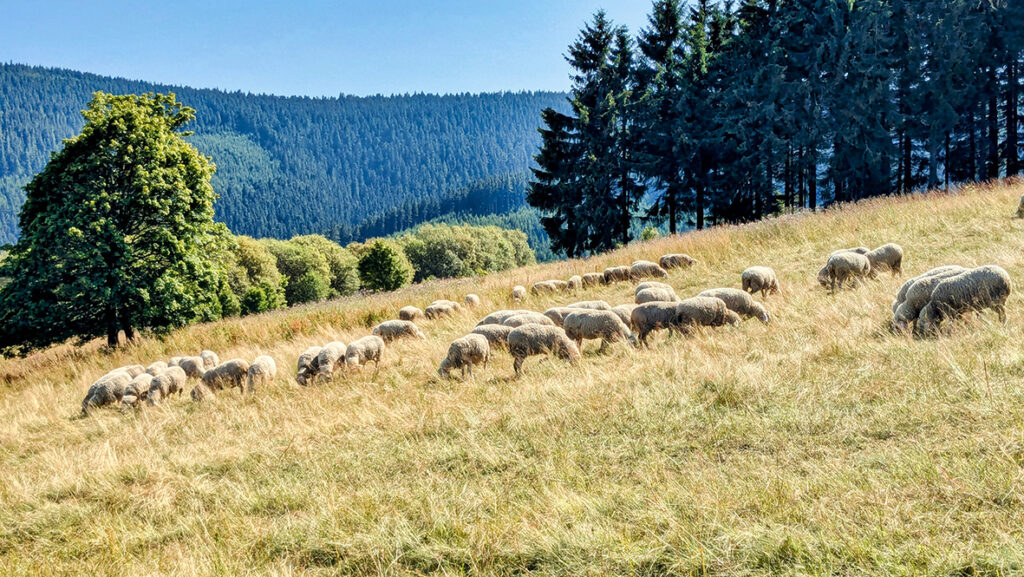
{"x":822,"y":444}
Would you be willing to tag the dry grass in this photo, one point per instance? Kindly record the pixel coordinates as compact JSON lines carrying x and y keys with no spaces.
{"x":819,"y":445}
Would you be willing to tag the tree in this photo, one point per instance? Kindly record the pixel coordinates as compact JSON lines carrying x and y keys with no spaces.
{"x":298,"y":262}
{"x":254,"y":278}
{"x":384,"y":268}
{"x":344,"y":278}
{"x":117,"y":231}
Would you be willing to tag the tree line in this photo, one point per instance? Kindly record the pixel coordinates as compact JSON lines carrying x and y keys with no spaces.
{"x":724,"y":113}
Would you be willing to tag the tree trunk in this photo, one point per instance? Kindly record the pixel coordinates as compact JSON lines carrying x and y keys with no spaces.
{"x":129,"y":333}
{"x":973,"y":166}
{"x":787,"y":188}
{"x":945,"y":172}
{"x":993,"y":126}
{"x":812,"y":182}
{"x":1012,"y":143}
{"x":908,"y":169}
{"x":672,"y":196}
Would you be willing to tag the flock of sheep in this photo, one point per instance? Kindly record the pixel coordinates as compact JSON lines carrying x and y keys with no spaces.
{"x":922,"y":303}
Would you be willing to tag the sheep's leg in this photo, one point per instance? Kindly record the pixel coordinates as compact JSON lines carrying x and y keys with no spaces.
{"x":1001,"y":311}
{"x":517,"y":364}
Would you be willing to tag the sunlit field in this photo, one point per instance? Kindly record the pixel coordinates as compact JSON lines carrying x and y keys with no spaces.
{"x":822,"y":444}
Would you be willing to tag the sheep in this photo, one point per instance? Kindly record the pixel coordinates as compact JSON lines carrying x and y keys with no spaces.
{"x":558,"y":314}
{"x":225,"y":375}
{"x":760,"y":279}
{"x":740,"y":302}
{"x":156,"y":368}
{"x":498,"y":317}
{"x":107,"y":390}
{"x":133,"y":370}
{"x":438,"y":309}
{"x":174,"y":361}
{"x":531,"y":340}
{"x":193,"y":367}
{"x":652,"y":284}
{"x":902,"y":294}
{"x":917,"y":296}
{"x":518,"y":293}
{"x":410,"y":314}
{"x":592,"y":279}
{"x":136,"y":389}
{"x":646,"y":269}
{"x":650,"y":317}
{"x":596,"y":324}
{"x":262,"y":370}
{"x":625,"y":313}
{"x":365,"y":350}
{"x":656,"y":295}
{"x":704,"y":312}
{"x":472,"y":300}
{"x":304,"y":368}
{"x":472,"y":349}
{"x":170,"y":382}
{"x":496,"y":335}
{"x":1020,"y":208}
{"x":210,"y":359}
{"x":531,"y":318}
{"x":847,"y":265}
{"x":617,"y":274}
{"x":888,"y":257}
{"x":549,"y":287}
{"x":859,"y":250}
{"x":575,"y":283}
{"x":327,"y":361}
{"x":391,"y":330}
{"x":671,"y":261}
{"x":592,"y":305}
{"x":985,"y":287}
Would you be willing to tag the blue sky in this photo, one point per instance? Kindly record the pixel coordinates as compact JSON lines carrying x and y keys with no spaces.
{"x":316,"y":48}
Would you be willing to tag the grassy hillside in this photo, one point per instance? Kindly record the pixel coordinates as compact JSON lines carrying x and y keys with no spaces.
{"x":819,"y":445}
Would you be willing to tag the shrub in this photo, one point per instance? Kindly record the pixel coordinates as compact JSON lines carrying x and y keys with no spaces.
{"x":384,"y":268}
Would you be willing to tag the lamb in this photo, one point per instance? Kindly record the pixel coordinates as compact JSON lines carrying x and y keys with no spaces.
{"x":625,"y":313}
{"x":193,"y":367}
{"x":740,"y":302}
{"x":652,"y":284}
{"x":704,"y":312}
{"x":917,"y":296}
{"x":410,"y":314}
{"x":498,"y":317}
{"x":156,"y":368}
{"x":228,"y":374}
{"x":365,"y":350}
{"x":617,"y":274}
{"x":472,"y":349}
{"x":531,"y":318}
{"x":107,"y":390}
{"x":592,"y":279}
{"x":262,"y":371}
{"x":496,"y":335}
{"x":656,"y":295}
{"x":596,"y":324}
{"x":760,"y":279}
{"x":518,"y":293}
{"x":304,"y":368}
{"x":558,"y":314}
{"x":902,"y":294}
{"x":391,"y":330}
{"x":575,"y":283}
{"x":136,"y":390}
{"x":985,"y":287}
{"x":886,"y":257}
{"x":438,"y":309}
{"x":646,"y":269}
{"x":210,"y":359}
{"x":649,"y":317}
{"x":170,"y":382}
{"x":592,"y":305}
{"x":845,"y":266}
{"x":472,"y":300}
{"x":671,"y":261}
{"x":532,"y":340}
{"x":327,"y":361}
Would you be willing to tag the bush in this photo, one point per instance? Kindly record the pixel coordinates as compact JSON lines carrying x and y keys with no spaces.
{"x":303,"y":264}
{"x":445,"y":251}
{"x":342,"y":263}
{"x":252,"y":268}
{"x":384,"y":268}
{"x":310,"y":287}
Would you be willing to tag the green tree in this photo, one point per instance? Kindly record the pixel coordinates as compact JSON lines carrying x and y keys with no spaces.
{"x":384,"y":268}
{"x":117,"y":231}
{"x":254,"y":278}
{"x":344,"y":279}
{"x":300,"y":262}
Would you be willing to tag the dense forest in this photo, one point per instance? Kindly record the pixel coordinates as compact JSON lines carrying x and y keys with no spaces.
{"x":292,"y":165}
{"x":728,"y":112}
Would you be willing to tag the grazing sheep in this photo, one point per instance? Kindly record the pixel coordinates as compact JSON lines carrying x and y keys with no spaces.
{"x":304,"y":368}
{"x":671,"y":261}
{"x":193,"y":367}
{"x":704,"y":312}
{"x":858,"y":249}
{"x":200,"y":392}
{"x":156,"y":368}
{"x":170,"y":382}
{"x":496,"y":335}
{"x":226,"y":375}
{"x":823,"y":276}
{"x":365,"y":350}
{"x":985,"y":287}
{"x":760,"y":279}
{"x":652,"y":284}
{"x":617,"y":274}
{"x":917,"y":296}
{"x":440,"y":309}
{"x":107,"y":390}
{"x":646,"y":269}
{"x":174,"y":361}
{"x":575,"y":283}
{"x":740,"y":302}
{"x":391,"y":330}
{"x":473,"y":301}
{"x":888,"y":257}
{"x":592,"y":305}
{"x":592,"y":279}
{"x":558,"y":314}
{"x":498,"y":317}
{"x":649,"y":317}
{"x":625,"y":313}
{"x":656,"y":295}
{"x":532,"y":340}
{"x":846,"y":266}
{"x":531,"y":318}
{"x":595,"y":324}
{"x":518,"y":293}
{"x":472,"y":349}
{"x":133,"y":370}
{"x":1020,"y":208}
{"x":327,"y":361}
{"x":210,"y":359}
{"x":262,"y":370}
{"x":137,"y":389}
{"x":549,"y":287}
{"x":902,"y":294}
{"x":410,"y":314}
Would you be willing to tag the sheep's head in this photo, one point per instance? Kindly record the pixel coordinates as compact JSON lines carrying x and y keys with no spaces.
{"x":445,"y":369}
{"x":763,"y":315}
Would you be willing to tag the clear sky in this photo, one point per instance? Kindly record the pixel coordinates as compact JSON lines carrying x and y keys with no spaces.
{"x":310,"y":47}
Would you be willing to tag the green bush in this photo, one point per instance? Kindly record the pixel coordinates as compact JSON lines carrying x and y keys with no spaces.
{"x":384,"y":268}
{"x":342,"y":263}
{"x":306,"y":270}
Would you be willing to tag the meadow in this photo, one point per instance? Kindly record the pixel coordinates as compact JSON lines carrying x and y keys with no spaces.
{"x":821,"y":444}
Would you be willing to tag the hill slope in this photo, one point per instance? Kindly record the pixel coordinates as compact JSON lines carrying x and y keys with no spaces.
{"x":290,"y":165}
{"x":819,"y":444}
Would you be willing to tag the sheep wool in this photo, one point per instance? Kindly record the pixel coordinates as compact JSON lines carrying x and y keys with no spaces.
{"x":498,"y":317}
{"x":592,"y":279}
{"x":760,"y":279}
{"x":704,"y":312}
{"x":170,"y":382}
{"x":529,"y":340}
{"x":472,"y":349}
{"x":888,"y":257}
{"x":649,"y":317}
{"x":596,"y":324}
{"x":496,"y":335}
{"x":107,"y":390}
{"x":518,"y":293}
{"x":671,"y":261}
{"x":646,"y":269}
{"x":156,"y":368}
{"x":193,"y":367}
{"x":847,"y":266}
{"x":918,"y":295}
{"x":531,"y":318}
{"x":740,"y":302}
{"x":617,"y":274}
{"x":210,"y":359}
{"x":592,"y":305}
{"x":656,"y":295}
{"x":410,"y":313}
{"x":652,"y":284}
{"x":575,"y":283}
{"x":558,"y":314}
{"x":328,"y":360}
{"x":304,"y":366}
{"x":229,"y":374}
{"x":365,"y":350}
{"x":986,"y":287}
{"x":392,"y":330}
{"x":262,"y":372}
{"x":625,"y":313}
{"x":473,"y":300}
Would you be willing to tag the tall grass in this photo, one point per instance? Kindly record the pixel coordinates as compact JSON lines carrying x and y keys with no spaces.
{"x":822,"y":444}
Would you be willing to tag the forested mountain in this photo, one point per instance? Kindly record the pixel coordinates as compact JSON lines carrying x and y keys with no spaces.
{"x":292,"y":165}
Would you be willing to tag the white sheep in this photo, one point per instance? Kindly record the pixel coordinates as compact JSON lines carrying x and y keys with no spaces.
{"x":652,"y":284}
{"x":760,"y":279}
{"x":531,"y":318}
{"x":518,"y":293}
{"x":365,"y":350}
{"x":704,"y":312}
{"x":617,"y":274}
{"x":410,"y":313}
{"x":442,"y":308}
{"x":210,"y":359}
{"x":740,"y":302}
{"x":575,"y":283}
{"x":592,"y":279}
{"x":823,"y":278}
{"x":671,"y":261}
{"x":498,"y":317}
{"x":532,"y":340}
{"x":392,"y":330}
{"x":472,"y":349}
{"x":156,"y":368}
{"x":625,"y":313}
{"x":304,"y":366}
{"x":330,"y":358}
{"x":888,"y":257}
{"x":656,"y":295}
{"x":226,"y":375}
{"x":592,"y":305}
{"x":262,"y":371}
{"x":107,"y":390}
{"x":496,"y":335}
{"x":596,"y":324}
{"x":649,"y":317}
{"x":902,"y":294}
{"x":558,"y":314}
{"x":985,"y":287}
{"x":847,"y":266}
{"x":170,"y":382}
{"x":918,"y":295}
{"x":193,"y":367}
{"x":136,"y":390}
{"x":472,"y":300}
{"x":646,"y":269}
{"x":174,"y":361}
